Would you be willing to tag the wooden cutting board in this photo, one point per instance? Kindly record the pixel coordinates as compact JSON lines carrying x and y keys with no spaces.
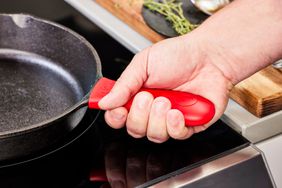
{"x":129,"y":11}
{"x":260,"y":94}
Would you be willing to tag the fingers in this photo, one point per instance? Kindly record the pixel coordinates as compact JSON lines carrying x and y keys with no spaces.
{"x":150,"y":117}
{"x":157,"y":131}
{"x":147,"y":117}
{"x":176,"y":126}
{"x":116,"y":118}
{"x":138,"y":116}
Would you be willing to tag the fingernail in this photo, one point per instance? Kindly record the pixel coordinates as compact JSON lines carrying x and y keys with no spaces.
{"x":116,"y":115}
{"x":156,"y":140}
{"x":134,"y":134}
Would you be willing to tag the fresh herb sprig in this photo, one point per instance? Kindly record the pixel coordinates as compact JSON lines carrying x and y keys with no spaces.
{"x":173,"y":12}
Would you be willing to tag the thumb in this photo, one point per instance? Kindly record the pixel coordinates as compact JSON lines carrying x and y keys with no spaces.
{"x":128,"y":84}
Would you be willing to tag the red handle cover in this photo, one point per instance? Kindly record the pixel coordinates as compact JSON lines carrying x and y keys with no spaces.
{"x":196,"y":109}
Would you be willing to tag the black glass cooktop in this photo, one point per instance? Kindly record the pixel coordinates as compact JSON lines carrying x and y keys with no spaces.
{"x":94,"y":154}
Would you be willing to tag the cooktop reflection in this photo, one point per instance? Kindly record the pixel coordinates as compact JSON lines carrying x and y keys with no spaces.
{"x":104,"y":157}
{"x":130,"y":162}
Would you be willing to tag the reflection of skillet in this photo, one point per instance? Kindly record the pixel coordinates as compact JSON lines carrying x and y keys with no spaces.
{"x":86,"y":123}
{"x":158,"y":22}
{"x":65,"y":164}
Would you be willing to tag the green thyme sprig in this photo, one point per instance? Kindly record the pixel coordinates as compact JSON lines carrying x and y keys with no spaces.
{"x":173,"y":13}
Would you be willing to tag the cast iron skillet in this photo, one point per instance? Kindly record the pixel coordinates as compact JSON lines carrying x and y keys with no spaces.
{"x":46,"y":74}
{"x":45,"y":71}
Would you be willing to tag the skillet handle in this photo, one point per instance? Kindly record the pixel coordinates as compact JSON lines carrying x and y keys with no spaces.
{"x":197,"y":110}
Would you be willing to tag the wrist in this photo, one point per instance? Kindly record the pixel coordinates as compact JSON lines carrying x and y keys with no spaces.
{"x":249,"y":40}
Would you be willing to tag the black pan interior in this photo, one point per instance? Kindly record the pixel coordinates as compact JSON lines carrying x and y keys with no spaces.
{"x":33,"y":89}
{"x":45,"y":69}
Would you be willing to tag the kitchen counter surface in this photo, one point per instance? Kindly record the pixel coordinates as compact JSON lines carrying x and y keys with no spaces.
{"x":251,"y":127}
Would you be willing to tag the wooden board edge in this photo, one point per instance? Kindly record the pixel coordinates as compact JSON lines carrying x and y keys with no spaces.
{"x":258,"y":107}
{"x":271,"y":104}
{"x":134,"y":23}
{"x":251,"y":103}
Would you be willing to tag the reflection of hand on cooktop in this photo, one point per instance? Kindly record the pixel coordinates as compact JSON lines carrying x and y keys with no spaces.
{"x":129,"y":167}
{"x":132,"y":164}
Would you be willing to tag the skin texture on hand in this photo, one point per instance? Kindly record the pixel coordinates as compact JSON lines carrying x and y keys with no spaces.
{"x":182,"y":67}
{"x":247,"y":34}
{"x":230,"y":46}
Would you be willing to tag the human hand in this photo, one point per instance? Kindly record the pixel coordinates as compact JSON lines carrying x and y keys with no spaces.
{"x":180,"y":64}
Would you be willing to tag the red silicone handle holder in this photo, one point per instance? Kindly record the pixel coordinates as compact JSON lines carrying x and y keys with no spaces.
{"x":197,"y":110}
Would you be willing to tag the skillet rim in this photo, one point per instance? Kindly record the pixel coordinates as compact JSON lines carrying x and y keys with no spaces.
{"x":77,"y":105}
